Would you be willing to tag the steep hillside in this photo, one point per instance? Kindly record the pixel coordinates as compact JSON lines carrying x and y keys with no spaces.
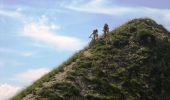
{"x":134,"y":64}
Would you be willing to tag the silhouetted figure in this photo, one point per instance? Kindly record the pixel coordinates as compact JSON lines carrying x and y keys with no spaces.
{"x":105,"y":29}
{"x":94,"y":35}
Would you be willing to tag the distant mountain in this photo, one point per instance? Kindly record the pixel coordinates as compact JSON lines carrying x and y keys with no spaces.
{"x":132,"y":64}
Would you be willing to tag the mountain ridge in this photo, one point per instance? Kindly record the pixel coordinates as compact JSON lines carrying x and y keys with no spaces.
{"x":131,"y":65}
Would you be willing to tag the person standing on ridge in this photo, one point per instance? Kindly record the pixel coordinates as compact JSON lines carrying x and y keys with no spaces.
{"x":106,"y":30}
{"x":94,"y":35}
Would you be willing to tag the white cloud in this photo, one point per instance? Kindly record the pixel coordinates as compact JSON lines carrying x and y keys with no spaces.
{"x":11,"y":13}
{"x":7,"y":91}
{"x":166,"y":18}
{"x":18,"y":52}
{"x":102,"y":7}
{"x":99,"y":6}
{"x":31,"y":75}
{"x":27,"y":54}
{"x":44,"y":34}
{"x":9,"y":62}
{"x":19,"y":9}
{"x":54,"y":27}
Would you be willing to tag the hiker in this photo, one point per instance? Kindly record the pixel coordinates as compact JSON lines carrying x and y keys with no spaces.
{"x":105,"y":29}
{"x":94,"y":35}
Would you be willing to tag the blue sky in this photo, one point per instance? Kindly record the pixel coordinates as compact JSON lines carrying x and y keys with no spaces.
{"x":38,"y":35}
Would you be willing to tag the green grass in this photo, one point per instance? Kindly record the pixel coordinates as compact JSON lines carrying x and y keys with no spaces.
{"x":129,"y":66}
{"x":46,"y":77}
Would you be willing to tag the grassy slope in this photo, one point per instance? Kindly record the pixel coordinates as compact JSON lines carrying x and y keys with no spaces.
{"x":134,"y":65}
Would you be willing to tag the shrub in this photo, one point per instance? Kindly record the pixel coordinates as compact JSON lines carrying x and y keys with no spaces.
{"x":67,"y":86}
{"x":133,"y":29}
{"x":145,"y":37}
{"x":120,"y":41}
{"x":50,"y":94}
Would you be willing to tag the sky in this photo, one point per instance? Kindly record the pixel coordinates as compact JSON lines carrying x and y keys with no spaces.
{"x":38,"y":35}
